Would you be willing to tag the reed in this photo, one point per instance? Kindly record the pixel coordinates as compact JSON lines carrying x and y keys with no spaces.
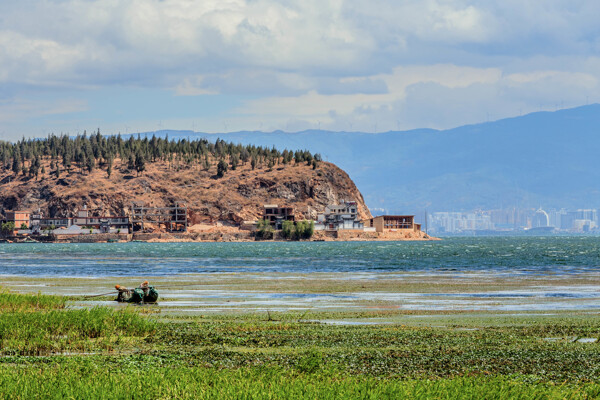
{"x":16,"y":302}
{"x":69,"y":330}
{"x":139,"y":353}
{"x":91,"y":379}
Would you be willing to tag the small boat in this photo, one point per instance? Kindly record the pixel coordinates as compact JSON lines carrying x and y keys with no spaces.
{"x":145,"y":293}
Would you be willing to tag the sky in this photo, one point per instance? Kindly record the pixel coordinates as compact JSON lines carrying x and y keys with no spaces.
{"x":227,"y":65}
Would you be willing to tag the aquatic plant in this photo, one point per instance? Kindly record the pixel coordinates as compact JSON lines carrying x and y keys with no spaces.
{"x":133,"y":378}
{"x":12,"y":302}
{"x":61,"y":330}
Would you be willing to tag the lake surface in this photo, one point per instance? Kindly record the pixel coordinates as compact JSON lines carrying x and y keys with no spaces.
{"x":506,"y":255}
{"x":456,"y":275}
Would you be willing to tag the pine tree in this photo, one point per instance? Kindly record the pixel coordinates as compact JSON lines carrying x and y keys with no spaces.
{"x":16,"y":165}
{"x":109,"y":165}
{"x":90,"y":164}
{"x":221,"y":168}
{"x":131,"y":162}
{"x":140,"y":162}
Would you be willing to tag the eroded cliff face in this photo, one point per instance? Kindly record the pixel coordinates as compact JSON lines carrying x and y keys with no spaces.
{"x":238,"y":196}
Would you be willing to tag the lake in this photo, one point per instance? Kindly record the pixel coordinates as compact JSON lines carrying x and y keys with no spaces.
{"x":517,"y":255}
{"x":516,"y":274}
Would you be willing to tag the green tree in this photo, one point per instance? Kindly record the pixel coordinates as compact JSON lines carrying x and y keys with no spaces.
{"x":109,"y":165}
{"x":140,"y":162}
{"x":221,"y":168}
{"x":16,"y":165}
{"x":131,"y":162}
{"x":90,"y":164}
{"x":304,"y":230}
{"x":67,"y":157}
{"x":264,"y":230}
{"x":34,"y":168}
{"x":287,"y":229}
{"x":8,"y":227}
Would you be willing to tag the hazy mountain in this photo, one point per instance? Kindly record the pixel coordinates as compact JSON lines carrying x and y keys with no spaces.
{"x":545,"y":158}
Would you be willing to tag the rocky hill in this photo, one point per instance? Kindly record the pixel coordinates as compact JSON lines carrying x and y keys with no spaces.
{"x":238,"y":196}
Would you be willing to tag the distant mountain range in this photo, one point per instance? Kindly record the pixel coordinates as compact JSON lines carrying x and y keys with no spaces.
{"x":550,"y":159}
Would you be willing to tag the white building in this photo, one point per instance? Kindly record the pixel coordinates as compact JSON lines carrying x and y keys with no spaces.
{"x":339,"y":216}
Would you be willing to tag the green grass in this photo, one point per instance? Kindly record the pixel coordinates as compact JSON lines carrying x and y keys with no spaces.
{"x":45,"y":353}
{"x":135,"y":378}
{"x":390,"y":350}
{"x":13,"y":302}
{"x":29,"y":333}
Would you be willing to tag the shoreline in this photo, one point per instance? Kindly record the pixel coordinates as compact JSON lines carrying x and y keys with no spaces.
{"x":223,"y":235}
{"x":397,"y":295}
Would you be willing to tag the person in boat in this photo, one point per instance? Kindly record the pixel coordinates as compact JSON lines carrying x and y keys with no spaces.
{"x":145,"y":293}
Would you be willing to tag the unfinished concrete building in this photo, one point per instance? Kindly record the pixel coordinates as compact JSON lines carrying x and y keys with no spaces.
{"x":276,"y":214}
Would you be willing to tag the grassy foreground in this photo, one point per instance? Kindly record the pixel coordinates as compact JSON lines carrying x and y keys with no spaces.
{"x":49,"y":351}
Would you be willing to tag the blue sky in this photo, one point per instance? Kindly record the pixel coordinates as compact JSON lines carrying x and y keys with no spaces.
{"x":227,"y":65}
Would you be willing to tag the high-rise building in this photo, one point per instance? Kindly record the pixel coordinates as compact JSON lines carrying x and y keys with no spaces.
{"x":567,"y":221}
{"x":555,"y":217}
{"x":540,"y":219}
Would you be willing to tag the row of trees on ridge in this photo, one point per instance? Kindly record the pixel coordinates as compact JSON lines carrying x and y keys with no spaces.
{"x":85,"y":153}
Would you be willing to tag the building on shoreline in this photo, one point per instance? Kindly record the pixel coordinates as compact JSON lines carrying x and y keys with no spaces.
{"x":172,"y":219}
{"x":392,"y":223}
{"x":339,"y":217}
{"x":83,"y":221}
{"x":41,"y":223}
{"x":19,"y":218}
{"x":276,"y":214}
{"x":104,"y":224}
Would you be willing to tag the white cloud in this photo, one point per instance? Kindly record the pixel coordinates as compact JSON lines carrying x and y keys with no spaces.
{"x":19,"y":52}
{"x":182,"y":38}
{"x":333,"y":61}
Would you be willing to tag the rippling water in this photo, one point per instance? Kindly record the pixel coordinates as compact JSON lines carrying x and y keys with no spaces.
{"x":507,"y":255}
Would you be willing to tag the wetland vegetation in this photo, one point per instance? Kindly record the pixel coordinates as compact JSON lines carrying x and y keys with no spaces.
{"x":50,"y":349}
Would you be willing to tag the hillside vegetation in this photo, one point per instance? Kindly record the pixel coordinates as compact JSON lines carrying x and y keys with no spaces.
{"x":219,"y":181}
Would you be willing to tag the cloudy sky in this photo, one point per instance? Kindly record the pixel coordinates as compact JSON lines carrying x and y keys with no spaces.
{"x":226,"y":65}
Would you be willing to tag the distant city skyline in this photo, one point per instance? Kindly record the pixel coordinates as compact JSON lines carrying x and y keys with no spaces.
{"x":132,"y":66}
{"x":515,"y":219}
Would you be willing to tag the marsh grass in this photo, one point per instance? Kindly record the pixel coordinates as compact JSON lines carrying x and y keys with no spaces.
{"x":16,"y":302}
{"x":92,"y":378}
{"x":248,"y":356}
{"x":73,"y":330}
{"x":390,"y":350}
